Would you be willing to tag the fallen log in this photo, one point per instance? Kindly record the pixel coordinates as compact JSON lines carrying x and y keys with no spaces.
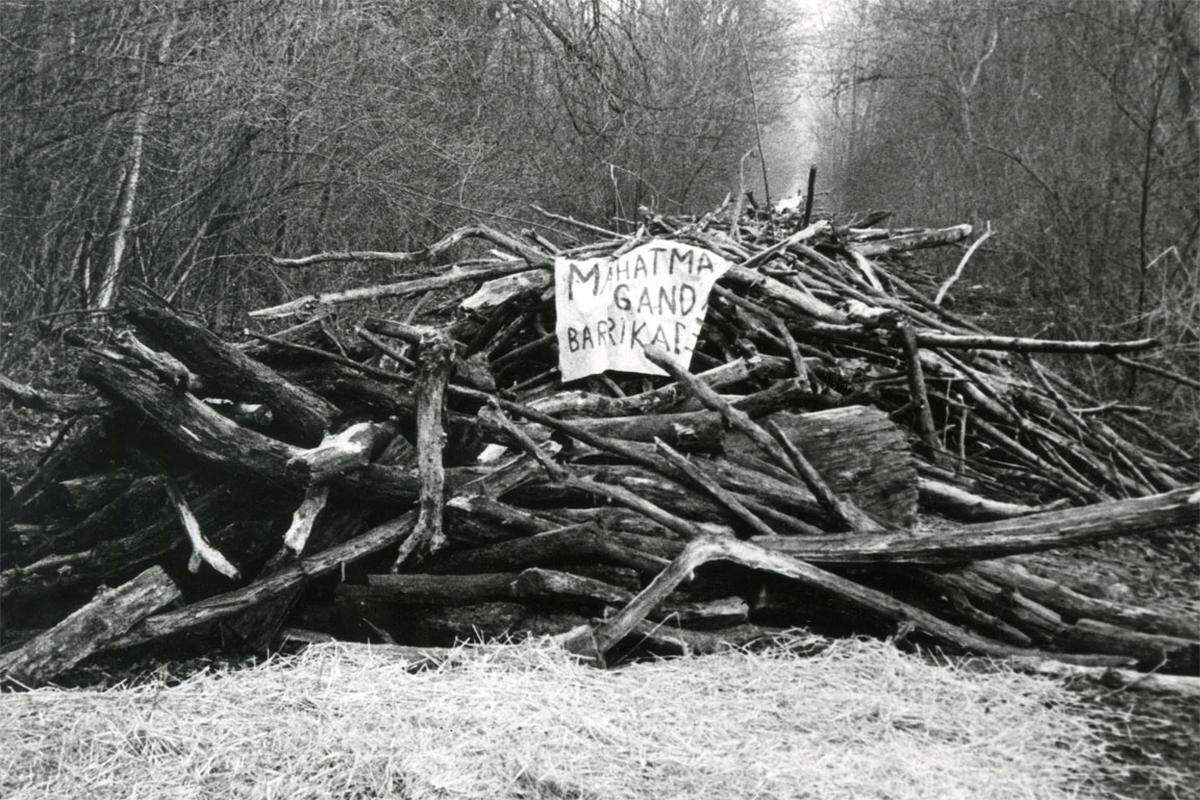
{"x":224,"y":366}
{"x":1074,"y":605}
{"x":22,"y":394}
{"x":133,"y":508}
{"x":90,"y":629}
{"x":1033,"y":533}
{"x":595,"y":642}
{"x":88,"y":492}
{"x":236,"y":451}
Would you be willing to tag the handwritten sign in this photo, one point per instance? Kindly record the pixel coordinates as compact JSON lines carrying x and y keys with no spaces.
{"x":610,"y":309}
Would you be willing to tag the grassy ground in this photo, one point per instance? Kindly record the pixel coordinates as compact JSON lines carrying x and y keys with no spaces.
{"x":809,"y":718}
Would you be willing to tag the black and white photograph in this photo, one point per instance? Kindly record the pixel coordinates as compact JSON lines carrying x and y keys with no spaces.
{"x":599,"y":399}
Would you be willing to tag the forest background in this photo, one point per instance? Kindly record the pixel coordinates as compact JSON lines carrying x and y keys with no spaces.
{"x":178,"y":145}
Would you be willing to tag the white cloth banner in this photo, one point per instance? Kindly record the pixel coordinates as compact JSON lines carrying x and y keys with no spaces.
{"x":610,"y":309}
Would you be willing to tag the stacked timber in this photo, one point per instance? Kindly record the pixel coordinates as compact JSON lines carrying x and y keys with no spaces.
{"x":419,"y":483}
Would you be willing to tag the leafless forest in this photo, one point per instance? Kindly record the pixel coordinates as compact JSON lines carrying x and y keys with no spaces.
{"x":179,"y":145}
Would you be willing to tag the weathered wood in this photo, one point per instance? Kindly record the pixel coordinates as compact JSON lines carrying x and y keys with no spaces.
{"x":341,"y":452}
{"x":458,"y":274}
{"x":435,"y":360}
{"x":556,"y":547}
{"x":1150,"y":651}
{"x":857,"y":450}
{"x":24,"y":395}
{"x":844,"y":515}
{"x":596,"y":642}
{"x":985,"y":540}
{"x":216,"y":441}
{"x":953,"y":341}
{"x":99,"y":623}
{"x":241,"y":377}
{"x":960,"y":504}
{"x":303,"y":518}
{"x":913,"y":241}
{"x":121,"y":556}
{"x":1111,"y":678}
{"x":164,"y":366}
{"x":87,"y":493}
{"x":132,"y":509}
{"x":920,"y":397}
{"x":1073,"y":604}
{"x":202,"y":551}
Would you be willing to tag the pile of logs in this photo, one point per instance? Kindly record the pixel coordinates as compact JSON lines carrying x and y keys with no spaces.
{"x":422,"y":483}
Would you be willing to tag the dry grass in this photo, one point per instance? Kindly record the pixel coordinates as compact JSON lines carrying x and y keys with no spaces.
{"x":856,"y":720}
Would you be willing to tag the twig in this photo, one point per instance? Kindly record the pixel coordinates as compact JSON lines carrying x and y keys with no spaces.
{"x":962,"y":265}
{"x":202,"y":551}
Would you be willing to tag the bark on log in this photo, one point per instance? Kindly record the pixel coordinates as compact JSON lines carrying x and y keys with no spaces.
{"x":913,"y":241}
{"x":117,"y":558}
{"x":87,"y":493}
{"x":435,"y":360}
{"x":22,"y":394}
{"x":595,"y":643}
{"x":1074,"y":605}
{"x":985,"y":540}
{"x":133,"y":508}
{"x":207,"y":436}
{"x":555,"y":547}
{"x":223,"y":365}
{"x":859,"y":452}
{"x":99,"y":623}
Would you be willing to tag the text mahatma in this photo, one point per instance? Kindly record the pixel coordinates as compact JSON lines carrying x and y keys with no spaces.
{"x":610,"y":309}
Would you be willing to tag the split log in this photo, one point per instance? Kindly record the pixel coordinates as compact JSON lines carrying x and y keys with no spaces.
{"x":224,"y":366}
{"x":538,"y":584}
{"x":99,"y":623}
